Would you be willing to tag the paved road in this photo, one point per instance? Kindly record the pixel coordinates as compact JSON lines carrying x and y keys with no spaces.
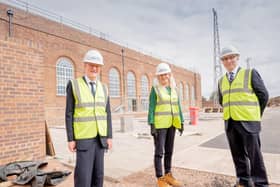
{"x":269,"y":136}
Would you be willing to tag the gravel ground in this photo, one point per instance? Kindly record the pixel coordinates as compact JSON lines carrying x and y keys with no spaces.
{"x":190,"y":178}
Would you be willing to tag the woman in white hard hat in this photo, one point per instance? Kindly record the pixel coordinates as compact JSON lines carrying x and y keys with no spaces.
{"x":165,"y":116}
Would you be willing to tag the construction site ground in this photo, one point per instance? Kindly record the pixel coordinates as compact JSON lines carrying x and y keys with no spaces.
{"x":201,"y":156}
{"x":193,"y":178}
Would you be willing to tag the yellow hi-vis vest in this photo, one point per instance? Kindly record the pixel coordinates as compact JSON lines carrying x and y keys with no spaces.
{"x":239,"y":100}
{"x":167,"y":109}
{"x":90,"y":117}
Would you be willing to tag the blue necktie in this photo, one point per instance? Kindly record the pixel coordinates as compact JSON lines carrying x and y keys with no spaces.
{"x":231,"y":76}
{"x":92,"y":88}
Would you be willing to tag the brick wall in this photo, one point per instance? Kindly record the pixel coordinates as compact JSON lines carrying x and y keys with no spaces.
{"x":22,"y":130}
{"x":58,"y":40}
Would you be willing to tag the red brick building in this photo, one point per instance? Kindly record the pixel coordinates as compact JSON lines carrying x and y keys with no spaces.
{"x":38,"y":56}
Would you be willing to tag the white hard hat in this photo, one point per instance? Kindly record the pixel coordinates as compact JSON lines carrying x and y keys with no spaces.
{"x":230,"y":50}
{"x":163,"y":68}
{"x":94,"y":57}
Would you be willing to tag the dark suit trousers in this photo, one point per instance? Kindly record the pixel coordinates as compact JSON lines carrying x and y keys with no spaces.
{"x":164,"y":143}
{"x":245,"y":149}
{"x":89,"y":170}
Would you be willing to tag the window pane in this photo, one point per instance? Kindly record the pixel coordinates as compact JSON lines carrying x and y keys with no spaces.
{"x":144,"y":92}
{"x":114,"y":82}
{"x":144,"y":86}
{"x":131,"y":92}
{"x":131,"y":88}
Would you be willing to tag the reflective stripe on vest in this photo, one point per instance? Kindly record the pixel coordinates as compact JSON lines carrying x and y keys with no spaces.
{"x":239,"y":100}
{"x":90,"y":117}
{"x":167,"y":109}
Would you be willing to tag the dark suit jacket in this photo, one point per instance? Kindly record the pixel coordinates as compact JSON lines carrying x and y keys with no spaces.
{"x":262,"y":95}
{"x":69,"y":112}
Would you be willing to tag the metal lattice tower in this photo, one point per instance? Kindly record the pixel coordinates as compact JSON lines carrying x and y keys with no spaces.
{"x":217,"y":65}
{"x":248,"y":61}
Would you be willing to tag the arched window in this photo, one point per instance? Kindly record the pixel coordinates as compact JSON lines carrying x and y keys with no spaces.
{"x":64,"y":72}
{"x":144,"y":86}
{"x":144,"y":92}
{"x":131,"y":85}
{"x":181,"y":91}
{"x":131,"y":92}
{"x":114,"y":83}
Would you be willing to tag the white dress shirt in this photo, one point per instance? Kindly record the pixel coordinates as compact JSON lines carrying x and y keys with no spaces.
{"x":233,"y":71}
{"x":89,"y":81}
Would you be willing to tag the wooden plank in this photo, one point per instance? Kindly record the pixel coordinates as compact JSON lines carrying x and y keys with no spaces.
{"x":49,"y":144}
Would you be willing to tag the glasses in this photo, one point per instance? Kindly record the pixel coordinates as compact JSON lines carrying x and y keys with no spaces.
{"x":230,"y":57}
{"x":163,"y":75}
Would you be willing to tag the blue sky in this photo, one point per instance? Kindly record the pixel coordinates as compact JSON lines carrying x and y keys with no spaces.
{"x":182,"y":30}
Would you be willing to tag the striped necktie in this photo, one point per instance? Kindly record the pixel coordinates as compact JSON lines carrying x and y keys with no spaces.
{"x":231,"y":76}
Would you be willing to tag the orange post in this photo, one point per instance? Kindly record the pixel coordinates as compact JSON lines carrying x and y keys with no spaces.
{"x":194,"y":115}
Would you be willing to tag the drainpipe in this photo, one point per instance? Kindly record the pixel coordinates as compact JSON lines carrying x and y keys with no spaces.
{"x":123,"y":77}
{"x":195,"y":92}
{"x":10,"y":14}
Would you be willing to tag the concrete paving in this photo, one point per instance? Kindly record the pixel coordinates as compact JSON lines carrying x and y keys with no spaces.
{"x":269,"y":135}
{"x":133,"y":152}
{"x":210,"y":157}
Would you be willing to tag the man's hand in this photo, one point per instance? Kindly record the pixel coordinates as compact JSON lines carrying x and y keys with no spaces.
{"x":153,"y":130}
{"x":182,"y":129}
{"x":110,"y":143}
{"x":72,"y":146}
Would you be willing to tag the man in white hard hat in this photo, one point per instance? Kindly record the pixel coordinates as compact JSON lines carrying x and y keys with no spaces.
{"x":88,"y":122}
{"x":243,"y":96}
{"x":165,"y":116}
